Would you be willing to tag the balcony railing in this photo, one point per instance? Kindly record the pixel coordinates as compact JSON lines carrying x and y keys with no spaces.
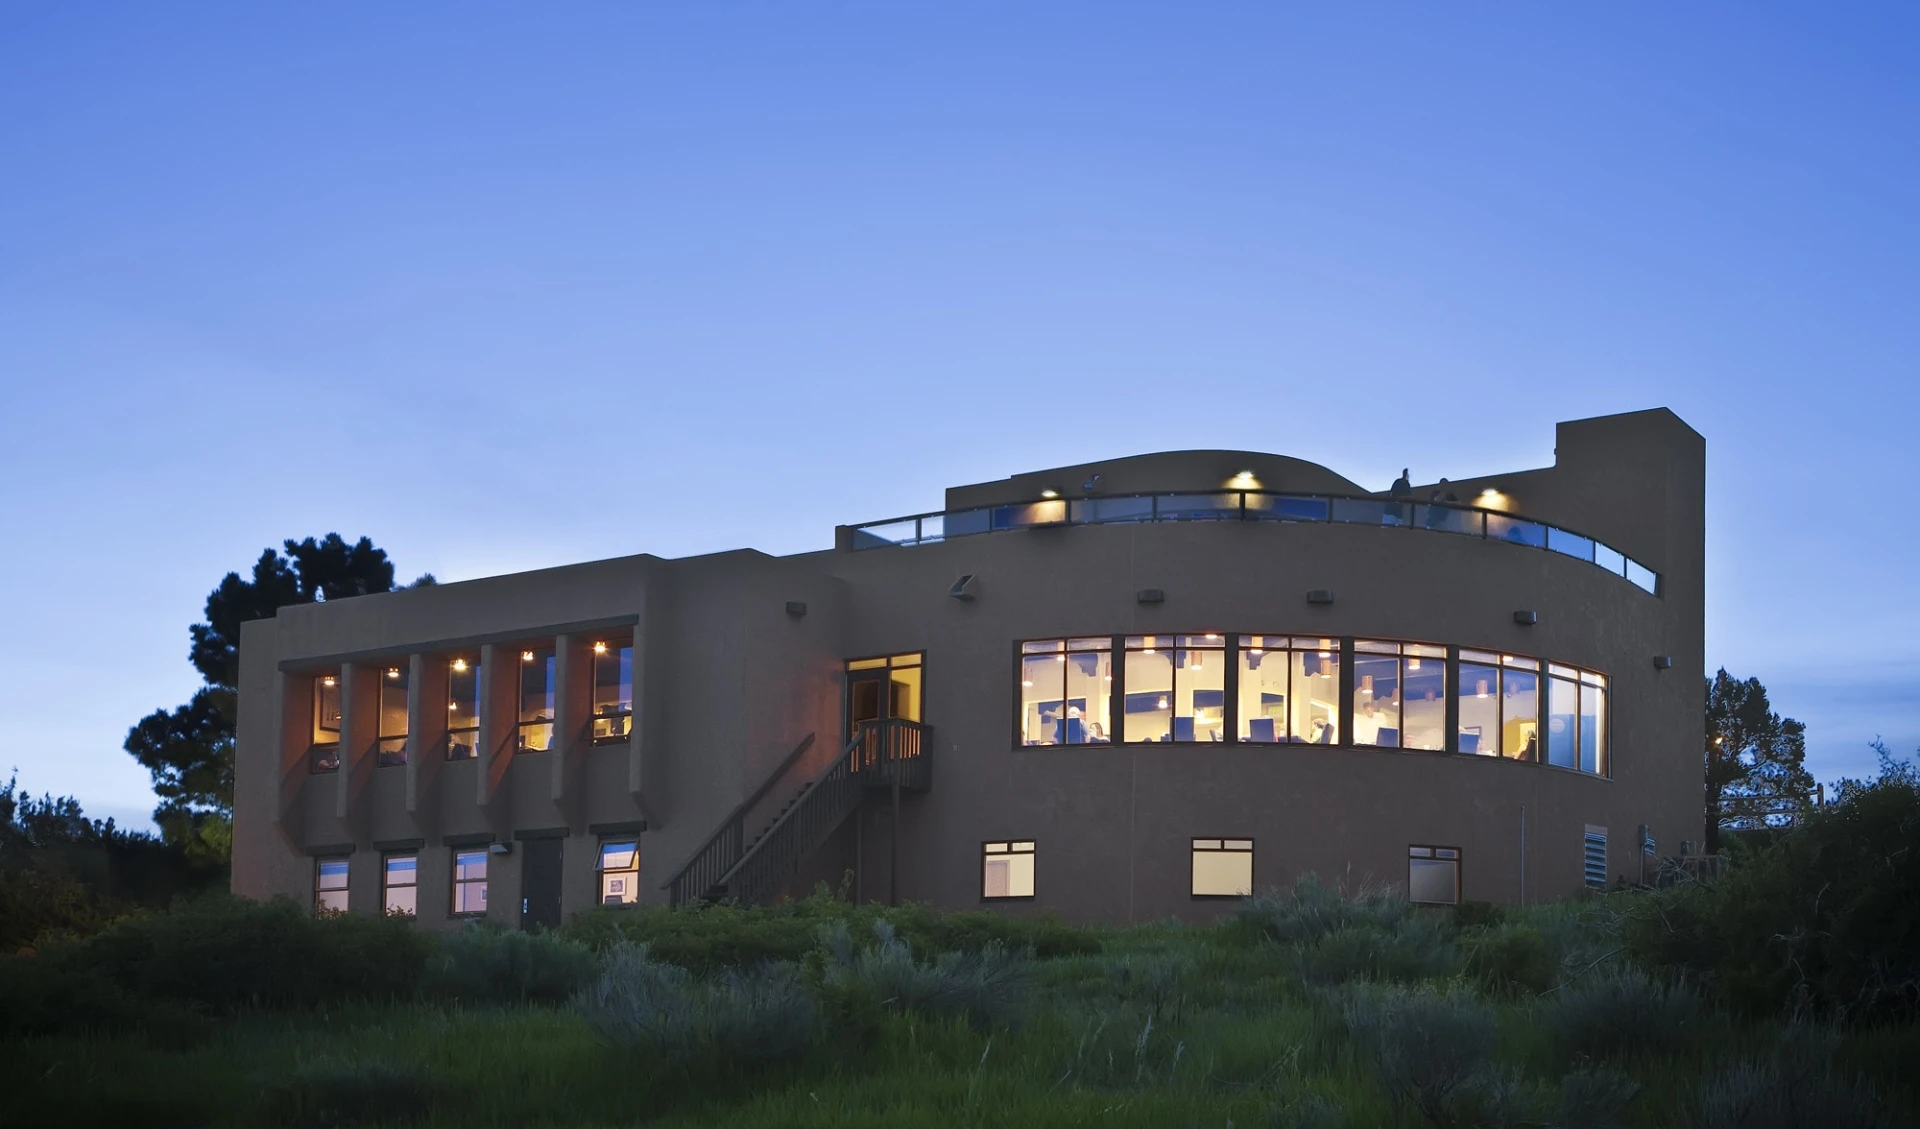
{"x":1257,"y":505}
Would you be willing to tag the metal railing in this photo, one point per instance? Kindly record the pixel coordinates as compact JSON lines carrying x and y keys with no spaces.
{"x":1257,"y":505}
{"x":881,"y":754}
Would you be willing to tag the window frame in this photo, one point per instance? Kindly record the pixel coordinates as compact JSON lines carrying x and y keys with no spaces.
{"x":546,"y":657}
{"x":1194,"y":849}
{"x":456,"y":883}
{"x":601,"y":870}
{"x":1007,"y":850}
{"x":479,"y":704}
{"x":387,"y":885}
{"x":1457,"y":858}
{"x":402,"y":673}
{"x":344,"y":889}
{"x":1020,"y":657}
{"x":323,"y":757}
{"x":611,"y":650}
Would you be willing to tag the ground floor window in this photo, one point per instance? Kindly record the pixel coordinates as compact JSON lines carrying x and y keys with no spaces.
{"x":619,"y":872}
{"x":330,"y":884}
{"x":401,"y":882}
{"x":470,"y":881}
{"x":1433,"y":875}
{"x":1222,"y":868}
{"x":1007,"y":869}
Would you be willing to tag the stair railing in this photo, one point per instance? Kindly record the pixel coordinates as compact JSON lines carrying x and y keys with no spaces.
{"x":722,"y":850}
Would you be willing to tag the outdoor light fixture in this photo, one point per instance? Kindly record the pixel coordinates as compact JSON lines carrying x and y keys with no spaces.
{"x":1662,"y":662}
{"x":599,"y":648}
{"x":1150,"y":596}
{"x":1320,"y":596}
{"x":458,"y":664}
{"x":393,"y":672}
{"x":1049,"y":493}
{"x":962,"y":589}
{"x":796,"y":608}
{"x":526,"y":656}
{"x":1526,"y":618}
{"x":1244,"y":481}
{"x":328,"y":681}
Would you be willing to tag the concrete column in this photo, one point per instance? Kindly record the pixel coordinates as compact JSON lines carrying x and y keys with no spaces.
{"x":573,"y":709}
{"x":293,"y":697}
{"x":359,"y":722}
{"x":426,"y":739}
{"x":499,"y":680}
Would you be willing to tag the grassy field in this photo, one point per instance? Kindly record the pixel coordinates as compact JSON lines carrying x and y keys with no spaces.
{"x":1355,"y":1015}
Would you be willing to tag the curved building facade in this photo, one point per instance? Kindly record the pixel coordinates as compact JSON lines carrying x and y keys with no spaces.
{"x":1121,"y":691}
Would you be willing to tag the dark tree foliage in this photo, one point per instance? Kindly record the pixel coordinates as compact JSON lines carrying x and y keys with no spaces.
{"x":189,"y":750}
{"x":1755,"y":759}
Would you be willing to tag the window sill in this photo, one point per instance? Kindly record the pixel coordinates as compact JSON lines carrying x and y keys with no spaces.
{"x":1220,"y":897}
{"x":1225,"y":745}
{"x":985,"y":899}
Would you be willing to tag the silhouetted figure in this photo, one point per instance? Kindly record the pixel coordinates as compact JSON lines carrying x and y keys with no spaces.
{"x":1402,"y":487}
{"x":1442,"y":494}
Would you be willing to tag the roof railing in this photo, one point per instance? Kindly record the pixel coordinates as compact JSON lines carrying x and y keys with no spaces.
{"x":1256,"y":505}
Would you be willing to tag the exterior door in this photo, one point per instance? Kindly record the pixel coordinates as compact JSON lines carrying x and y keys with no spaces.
{"x":540,"y":883}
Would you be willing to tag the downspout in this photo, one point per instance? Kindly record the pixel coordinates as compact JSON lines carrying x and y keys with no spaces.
{"x":1523,"y":854}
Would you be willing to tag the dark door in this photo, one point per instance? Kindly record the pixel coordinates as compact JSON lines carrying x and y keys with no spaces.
{"x":540,"y":883}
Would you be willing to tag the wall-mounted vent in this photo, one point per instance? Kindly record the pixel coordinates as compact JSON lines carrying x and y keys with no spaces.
{"x":796,"y":608}
{"x":1320,"y":596}
{"x":962,"y":588}
{"x":1526,"y":617}
{"x":1151,"y":596}
{"x":1662,"y":662}
{"x":1595,"y":857}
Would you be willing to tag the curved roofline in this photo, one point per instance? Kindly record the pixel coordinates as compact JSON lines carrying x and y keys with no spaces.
{"x":1192,"y":470}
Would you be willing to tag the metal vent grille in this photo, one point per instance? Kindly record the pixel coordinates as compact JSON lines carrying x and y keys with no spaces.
{"x":1596,"y":857}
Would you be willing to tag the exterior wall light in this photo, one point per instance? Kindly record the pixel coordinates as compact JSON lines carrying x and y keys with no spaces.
{"x":1243,"y":481}
{"x":1662,"y":662}
{"x":1526,"y":617}
{"x":962,"y":589}
{"x":1150,"y":596}
{"x":1320,"y":596}
{"x":795,"y":608}
{"x":1049,"y":493}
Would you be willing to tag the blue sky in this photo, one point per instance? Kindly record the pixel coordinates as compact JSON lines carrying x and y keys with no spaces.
{"x":510,"y":286}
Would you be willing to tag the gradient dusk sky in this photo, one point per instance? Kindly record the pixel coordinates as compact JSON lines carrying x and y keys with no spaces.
{"x":512,"y":286}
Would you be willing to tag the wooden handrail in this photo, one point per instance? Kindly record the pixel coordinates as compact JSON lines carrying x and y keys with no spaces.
{"x":726,"y":825}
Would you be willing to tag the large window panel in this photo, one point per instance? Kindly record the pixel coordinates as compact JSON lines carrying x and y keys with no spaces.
{"x":1423,"y":710}
{"x":1376,"y":693}
{"x":1315,"y":716}
{"x":612,"y":691}
{"x":463,"y":707}
{"x":619,"y":872}
{"x":1563,"y":717}
{"x":1043,"y":691}
{"x":393,"y":717}
{"x":1148,"y":709}
{"x":326,"y":710}
{"x":1519,"y":708}
{"x":538,"y":681}
{"x":1089,"y":669}
{"x":1479,"y":698}
{"x":1593,"y":724}
{"x":470,"y":882}
{"x":1199,"y":688}
{"x":1006,"y":869}
{"x":1263,"y":688}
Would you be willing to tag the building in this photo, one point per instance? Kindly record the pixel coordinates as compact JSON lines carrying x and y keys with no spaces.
{"x":1111,"y":691}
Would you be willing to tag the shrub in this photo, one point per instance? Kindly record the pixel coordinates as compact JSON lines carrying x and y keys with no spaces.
{"x":1311,"y":911}
{"x":708,"y":938}
{"x":1620,"y":1014}
{"x":35,"y":901}
{"x":1433,"y":1051}
{"x":1793,"y":1088}
{"x":987,"y":985}
{"x":1821,"y":919}
{"x":221,"y":953}
{"x":1476,"y":915}
{"x":1415,"y":950}
{"x":484,"y":963}
{"x":1511,"y":959}
{"x":39,"y":997}
{"x":751,"y":1018}
{"x":1594,"y":1099}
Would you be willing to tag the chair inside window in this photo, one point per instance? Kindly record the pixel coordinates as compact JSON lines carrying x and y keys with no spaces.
{"x":1260,"y":729}
{"x":1069,"y":731}
{"x":1469,"y":742}
{"x":1388,"y":737}
{"x":1183,"y":729}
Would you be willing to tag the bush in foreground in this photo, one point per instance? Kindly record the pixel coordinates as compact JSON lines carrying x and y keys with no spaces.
{"x":986,"y":986}
{"x":484,"y":963}
{"x":659,"y":1010}
{"x":1620,"y":1014}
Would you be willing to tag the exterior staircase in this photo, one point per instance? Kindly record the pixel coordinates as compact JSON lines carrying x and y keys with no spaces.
{"x":888,"y":755}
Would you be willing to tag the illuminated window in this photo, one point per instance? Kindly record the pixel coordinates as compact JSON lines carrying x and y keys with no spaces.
{"x":1176,"y":688}
{"x":1066,"y":688}
{"x":470,"y":881}
{"x":324,"y":756}
{"x":330,"y":884}
{"x":1399,"y":695}
{"x":1576,"y":719}
{"x":612,"y":692}
{"x":1519,"y":708}
{"x":619,"y":872}
{"x":538,"y":680}
{"x":1315,"y":713}
{"x":1433,"y":875}
{"x":401,"y":882}
{"x":463,"y":707}
{"x":392,"y":737}
{"x":1222,"y":868}
{"x":1007,"y":869}
{"x":1263,"y":688}
{"x":1499,"y":699}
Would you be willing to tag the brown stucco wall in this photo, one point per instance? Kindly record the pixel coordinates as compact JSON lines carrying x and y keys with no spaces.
{"x":728,"y":683}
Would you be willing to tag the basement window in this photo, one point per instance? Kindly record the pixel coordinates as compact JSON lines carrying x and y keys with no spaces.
{"x":1007,"y":869}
